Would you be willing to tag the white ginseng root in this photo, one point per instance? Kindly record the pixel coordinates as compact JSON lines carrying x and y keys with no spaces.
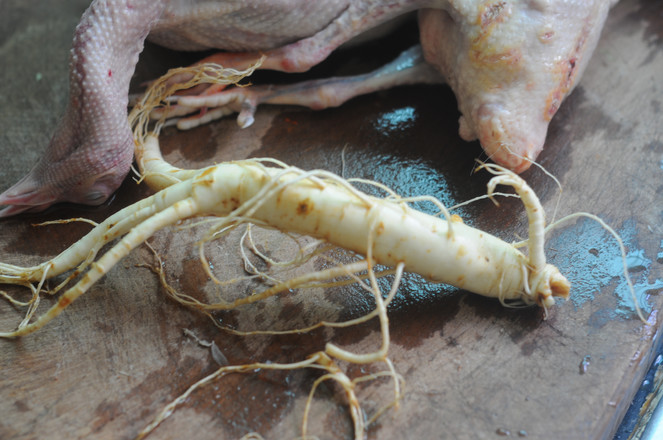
{"x":319,"y":204}
{"x":314,"y":203}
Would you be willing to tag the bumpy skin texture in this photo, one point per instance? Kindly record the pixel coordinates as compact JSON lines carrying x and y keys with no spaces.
{"x":240,"y":26}
{"x":510,"y":63}
{"x":92,"y":149}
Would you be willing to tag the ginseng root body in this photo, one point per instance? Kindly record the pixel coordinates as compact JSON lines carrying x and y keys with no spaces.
{"x":315,"y":203}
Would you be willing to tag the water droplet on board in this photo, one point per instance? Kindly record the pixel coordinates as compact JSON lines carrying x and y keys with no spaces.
{"x":584,"y":364}
{"x":396,"y":120}
{"x":659,"y":360}
{"x":410,"y":176}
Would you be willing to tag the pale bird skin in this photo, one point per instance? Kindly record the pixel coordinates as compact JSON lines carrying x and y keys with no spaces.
{"x":510,"y":63}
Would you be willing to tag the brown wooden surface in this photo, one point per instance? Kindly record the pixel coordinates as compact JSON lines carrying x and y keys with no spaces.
{"x":111,"y":361}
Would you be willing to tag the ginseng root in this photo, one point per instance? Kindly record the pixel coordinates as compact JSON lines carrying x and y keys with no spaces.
{"x":319,"y":204}
{"x":268,"y":193}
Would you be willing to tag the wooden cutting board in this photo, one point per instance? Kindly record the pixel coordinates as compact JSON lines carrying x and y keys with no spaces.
{"x":473,"y":369}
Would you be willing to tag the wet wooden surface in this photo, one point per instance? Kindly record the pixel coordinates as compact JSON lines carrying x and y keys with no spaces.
{"x":473,"y":369}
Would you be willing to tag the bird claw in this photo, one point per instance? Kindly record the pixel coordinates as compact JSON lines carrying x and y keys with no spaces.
{"x":190,"y":111}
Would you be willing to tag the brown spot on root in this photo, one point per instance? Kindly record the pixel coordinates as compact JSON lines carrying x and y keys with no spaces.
{"x":64,"y":301}
{"x":96,"y":267}
{"x":204,"y":177}
{"x":230,"y":204}
{"x":207,"y":172}
{"x":305,"y":207}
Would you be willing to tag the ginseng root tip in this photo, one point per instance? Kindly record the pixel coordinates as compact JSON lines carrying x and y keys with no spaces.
{"x":547,"y":285}
{"x":559,"y":285}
